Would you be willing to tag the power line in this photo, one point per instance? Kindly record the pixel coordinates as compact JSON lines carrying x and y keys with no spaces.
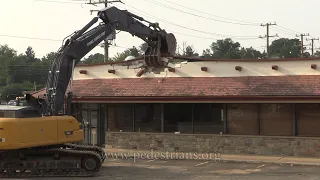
{"x":302,"y":45}
{"x":54,"y":1}
{"x":289,"y":29}
{"x":185,"y":12}
{"x":211,"y":14}
{"x":44,"y":39}
{"x":246,"y":22}
{"x":210,"y":33}
{"x":24,"y":37}
{"x":267,"y":35}
{"x":275,"y":28}
{"x":196,"y":30}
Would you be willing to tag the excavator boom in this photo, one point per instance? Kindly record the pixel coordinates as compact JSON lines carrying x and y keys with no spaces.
{"x":78,"y":45}
{"x":39,"y":140}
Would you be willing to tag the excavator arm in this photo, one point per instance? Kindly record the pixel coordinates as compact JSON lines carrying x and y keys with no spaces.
{"x":35,"y":145}
{"x":83,"y":41}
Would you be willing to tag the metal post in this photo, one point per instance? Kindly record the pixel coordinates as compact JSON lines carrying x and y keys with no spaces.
{"x":162,"y":118}
{"x":192,"y":117}
{"x":294,"y":120}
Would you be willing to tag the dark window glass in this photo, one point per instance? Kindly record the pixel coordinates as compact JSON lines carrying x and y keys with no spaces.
{"x":147,"y":117}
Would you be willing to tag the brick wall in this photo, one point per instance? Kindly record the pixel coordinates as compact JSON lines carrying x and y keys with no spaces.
{"x":225,"y":144}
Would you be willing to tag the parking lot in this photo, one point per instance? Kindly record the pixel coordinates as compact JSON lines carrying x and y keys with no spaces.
{"x":118,"y":169}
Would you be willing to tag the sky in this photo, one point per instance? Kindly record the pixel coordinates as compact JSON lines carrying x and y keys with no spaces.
{"x":42,"y":24}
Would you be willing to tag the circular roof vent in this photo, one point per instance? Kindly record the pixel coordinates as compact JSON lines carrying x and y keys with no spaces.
{"x":129,"y":58}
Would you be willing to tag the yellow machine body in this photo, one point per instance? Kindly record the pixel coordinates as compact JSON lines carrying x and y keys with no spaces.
{"x":19,"y":133}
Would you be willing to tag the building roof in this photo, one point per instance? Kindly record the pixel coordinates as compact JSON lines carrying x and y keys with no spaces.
{"x":198,"y":87}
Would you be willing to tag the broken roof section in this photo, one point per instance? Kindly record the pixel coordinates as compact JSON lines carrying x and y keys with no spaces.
{"x":203,"y":80}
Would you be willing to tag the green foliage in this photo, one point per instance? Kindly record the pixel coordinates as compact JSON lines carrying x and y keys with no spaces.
{"x":93,"y":59}
{"x":15,"y":89}
{"x":26,"y":67}
{"x":6,"y":55}
{"x":30,"y":55}
{"x":20,"y":72}
{"x":251,"y":53}
{"x":225,"y":48}
{"x":317,"y":54}
{"x":190,"y":52}
{"x":143,"y":47}
{"x":128,"y":52}
{"x":46,"y":60}
{"x":285,"y":48}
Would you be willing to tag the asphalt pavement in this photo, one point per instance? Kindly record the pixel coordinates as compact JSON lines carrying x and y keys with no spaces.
{"x":121,"y":169}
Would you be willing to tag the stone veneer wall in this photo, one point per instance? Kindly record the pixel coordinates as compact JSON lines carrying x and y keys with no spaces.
{"x":224,"y":144}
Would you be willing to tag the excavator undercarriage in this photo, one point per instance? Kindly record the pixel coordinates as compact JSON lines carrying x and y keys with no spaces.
{"x":68,"y":160}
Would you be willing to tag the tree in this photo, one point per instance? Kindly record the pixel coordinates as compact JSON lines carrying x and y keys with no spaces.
{"x":48,"y":58}
{"x":128,"y":52}
{"x":250,"y":53}
{"x":99,"y":58}
{"x":6,"y":51}
{"x":190,"y":52}
{"x":6,"y":55}
{"x":15,"y":89}
{"x":143,"y":47}
{"x":207,"y":53}
{"x":94,"y":58}
{"x":285,"y":48}
{"x":30,"y":55}
{"x":317,"y":54}
{"x":30,"y":52}
{"x":223,"y":49}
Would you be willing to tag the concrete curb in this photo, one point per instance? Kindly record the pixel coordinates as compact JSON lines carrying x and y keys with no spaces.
{"x":235,"y":161}
{"x":270,"y":163}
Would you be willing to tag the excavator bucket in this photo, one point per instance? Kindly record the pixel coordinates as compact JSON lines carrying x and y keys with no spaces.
{"x":164,"y":47}
{"x":171,"y":45}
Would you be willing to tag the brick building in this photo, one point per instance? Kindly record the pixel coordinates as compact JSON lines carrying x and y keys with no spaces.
{"x":268,"y":107}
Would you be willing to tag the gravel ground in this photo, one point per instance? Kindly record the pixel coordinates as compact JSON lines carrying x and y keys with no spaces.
{"x":117,"y":169}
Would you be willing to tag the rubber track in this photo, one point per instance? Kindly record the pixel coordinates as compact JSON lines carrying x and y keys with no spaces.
{"x":87,"y":147}
{"x":77,"y":150}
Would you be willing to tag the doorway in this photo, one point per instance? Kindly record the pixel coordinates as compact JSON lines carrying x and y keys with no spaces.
{"x":91,"y":119}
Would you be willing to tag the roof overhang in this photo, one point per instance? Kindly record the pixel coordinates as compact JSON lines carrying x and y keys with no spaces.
{"x":225,"y":99}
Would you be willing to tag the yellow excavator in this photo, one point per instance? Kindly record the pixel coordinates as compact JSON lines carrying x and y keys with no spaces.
{"x":39,"y":136}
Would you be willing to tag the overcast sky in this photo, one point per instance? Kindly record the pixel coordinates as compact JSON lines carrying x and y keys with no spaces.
{"x":55,"y":19}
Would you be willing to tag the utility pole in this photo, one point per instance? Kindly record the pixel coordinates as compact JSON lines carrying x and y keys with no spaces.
{"x":312,"y":44}
{"x":106,"y":42}
{"x":268,"y":35}
{"x":302,"y":45}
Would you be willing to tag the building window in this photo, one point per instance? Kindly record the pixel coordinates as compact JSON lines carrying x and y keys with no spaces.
{"x":276,"y":119}
{"x":120,"y":118}
{"x":178,"y":118}
{"x":308,"y":116}
{"x":243,"y":119}
{"x":147,"y":117}
{"x":208,"y":119}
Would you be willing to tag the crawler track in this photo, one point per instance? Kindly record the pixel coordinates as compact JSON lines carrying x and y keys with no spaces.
{"x":69,"y":160}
